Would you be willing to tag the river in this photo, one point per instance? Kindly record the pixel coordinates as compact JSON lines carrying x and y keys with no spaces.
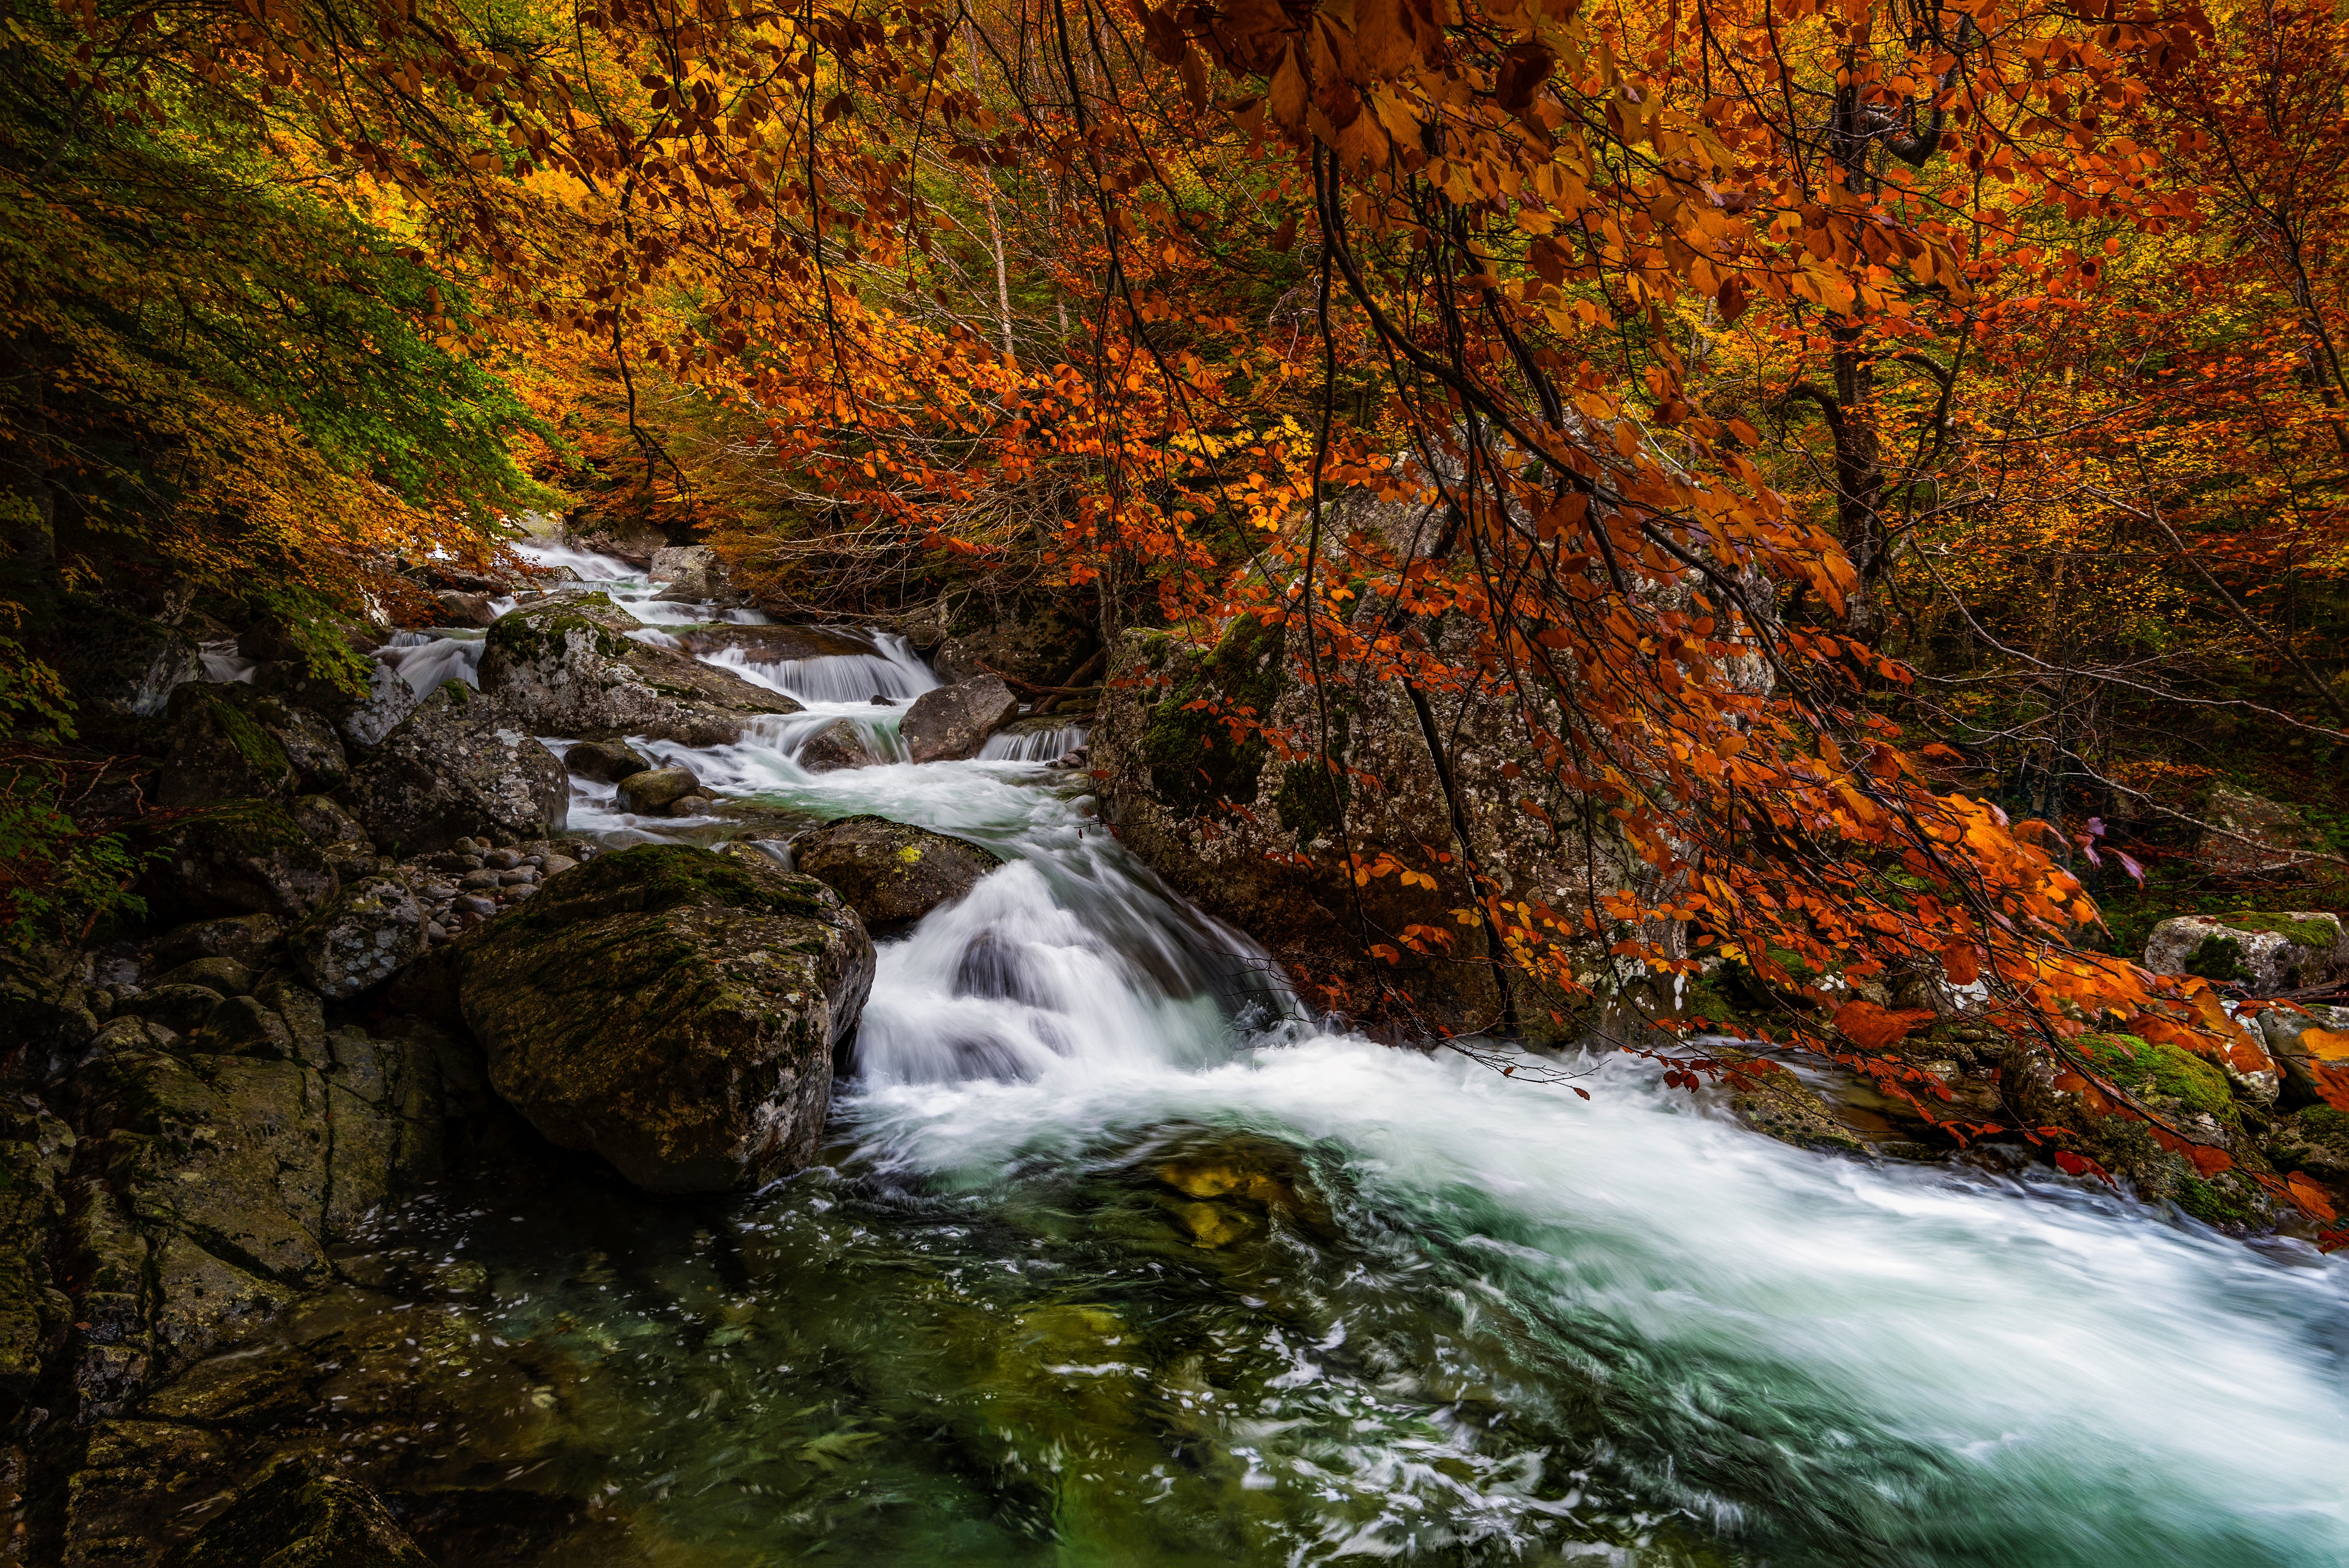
{"x":1116,"y":1258}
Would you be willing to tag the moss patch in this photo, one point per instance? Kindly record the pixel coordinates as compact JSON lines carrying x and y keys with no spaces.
{"x":654,"y":877}
{"x":1314,"y":790}
{"x":1193,"y":762}
{"x":2219,"y":959}
{"x":2221,"y":1201}
{"x":2301,"y":930}
{"x":2144,"y":1068}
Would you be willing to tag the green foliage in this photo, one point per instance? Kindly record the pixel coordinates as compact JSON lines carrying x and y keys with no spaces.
{"x":56,"y":880}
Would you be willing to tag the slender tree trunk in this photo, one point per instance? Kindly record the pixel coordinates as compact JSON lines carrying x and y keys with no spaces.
{"x":994,"y":228}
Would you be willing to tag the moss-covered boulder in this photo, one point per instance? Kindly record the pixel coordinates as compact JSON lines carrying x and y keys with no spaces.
{"x":460,"y":767}
{"x":370,"y":933}
{"x":673,"y":1010}
{"x":2265,"y":953}
{"x":245,"y":857}
{"x":571,"y":667}
{"x":891,"y":873}
{"x":294,"y":1517}
{"x":950,"y":722}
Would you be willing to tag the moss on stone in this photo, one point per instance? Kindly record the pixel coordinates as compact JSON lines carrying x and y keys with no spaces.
{"x":526,"y":638}
{"x":2301,"y":930}
{"x":2220,"y":1201}
{"x":2143,"y":1067}
{"x":650,"y":878}
{"x":254,"y":744}
{"x":1314,"y":790}
{"x":1192,"y":761}
{"x":2219,"y":959}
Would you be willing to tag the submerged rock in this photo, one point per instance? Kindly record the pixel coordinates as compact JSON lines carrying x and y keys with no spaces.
{"x":247,"y":857}
{"x":673,"y":1010}
{"x":953,"y":721}
{"x":459,"y":766}
{"x":294,"y":1517}
{"x":572,"y":668}
{"x":890,"y":873}
{"x":2266,"y":954}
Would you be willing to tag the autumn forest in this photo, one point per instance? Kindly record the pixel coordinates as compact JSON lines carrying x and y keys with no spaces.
{"x":1687,"y":550}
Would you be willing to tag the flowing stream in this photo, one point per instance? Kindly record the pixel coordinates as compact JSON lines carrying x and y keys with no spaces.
{"x":1118,"y":1259}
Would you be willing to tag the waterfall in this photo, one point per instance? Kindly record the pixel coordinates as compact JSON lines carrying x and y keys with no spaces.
{"x":427,"y":659}
{"x":1035,"y":740}
{"x":892,"y":670}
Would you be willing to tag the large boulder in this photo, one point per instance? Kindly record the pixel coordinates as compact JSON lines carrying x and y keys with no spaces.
{"x":890,"y":873}
{"x":233,"y":742}
{"x":2255,"y":838}
{"x":459,"y":766}
{"x":690,"y":571}
{"x":389,"y":700}
{"x":772,"y":644}
{"x":572,"y":668}
{"x":672,"y":1009}
{"x":246,"y":857}
{"x":2265,"y":953}
{"x":656,"y":789}
{"x":605,"y":761}
{"x":954,"y":721}
{"x":368,"y":933}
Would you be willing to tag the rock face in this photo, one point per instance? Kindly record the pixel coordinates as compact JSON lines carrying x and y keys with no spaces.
{"x":247,"y":857}
{"x":1259,"y":840}
{"x":367,"y":934}
{"x":571,"y":668}
{"x":390,"y":699}
{"x":673,"y":1010}
{"x":295,"y":1518}
{"x":953,"y":721}
{"x":889,"y":873}
{"x":772,"y":644}
{"x":836,"y":746}
{"x":1039,"y":642}
{"x":691,"y":572}
{"x":2266,"y":954}
{"x":219,"y":753}
{"x":459,"y":766}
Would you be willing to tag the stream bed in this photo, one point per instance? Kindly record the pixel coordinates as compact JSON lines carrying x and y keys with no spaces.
{"x":1116,"y":1258}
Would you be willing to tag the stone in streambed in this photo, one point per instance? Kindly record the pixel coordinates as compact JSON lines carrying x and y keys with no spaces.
{"x":248,"y":939}
{"x":691,"y":806}
{"x":952,"y":722}
{"x":671,"y":1009}
{"x":572,"y":668}
{"x":605,"y":761}
{"x":838,"y":745}
{"x":890,"y":873}
{"x":652,"y":792}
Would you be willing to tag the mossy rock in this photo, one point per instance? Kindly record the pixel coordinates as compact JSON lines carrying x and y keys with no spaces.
{"x":245,"y":857}
{"x":1779,"y":1105}
{"x":892,"y":873}
{"x":2162,"y":1072}
{"x":672,"y":1009}
{"x":1193,"y":762}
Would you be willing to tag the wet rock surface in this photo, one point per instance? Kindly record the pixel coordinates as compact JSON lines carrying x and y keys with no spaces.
{"x":891,"y":873}
{"x":573,"y":668}
{"x":673,"y":1010}
{"x":837,"y":745}
{"x":246,"y":857}
{"x":954,"y":721}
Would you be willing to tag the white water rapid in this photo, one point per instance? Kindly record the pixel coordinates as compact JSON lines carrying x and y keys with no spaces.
{"x":1505,"y":1325}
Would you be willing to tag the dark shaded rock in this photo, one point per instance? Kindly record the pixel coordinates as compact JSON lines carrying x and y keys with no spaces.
{"x":228,"y":976}
{"x":122,"y":663}
{"x":247,"y":857}
{"x":331,"y":824}
{"x":295,"y":1518}
{"x":889,"y":873}
{"x":36,"y":1151}
{"x":459,"y":766}
{"x":571,"y":668}
{"x":954,"y":721}
{"x":837,"y":745}
{"x":652,"y":791}
{"x":1041,"y":642}
{"x":370,"y":933}
{"x":672,"y":1010}
{"x":248,"y":939}
{"x":605,"y":761}
{"x":182,"y":1009}
{"x":219,"y":753}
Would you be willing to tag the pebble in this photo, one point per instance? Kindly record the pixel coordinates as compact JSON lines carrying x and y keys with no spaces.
{"x":435,"y":931}
{"x":476,"y":904}
{"x":484,"y":877}
{"x":556,"y":864}
{"x":501,"y":859}
{"x":521,"y":877}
